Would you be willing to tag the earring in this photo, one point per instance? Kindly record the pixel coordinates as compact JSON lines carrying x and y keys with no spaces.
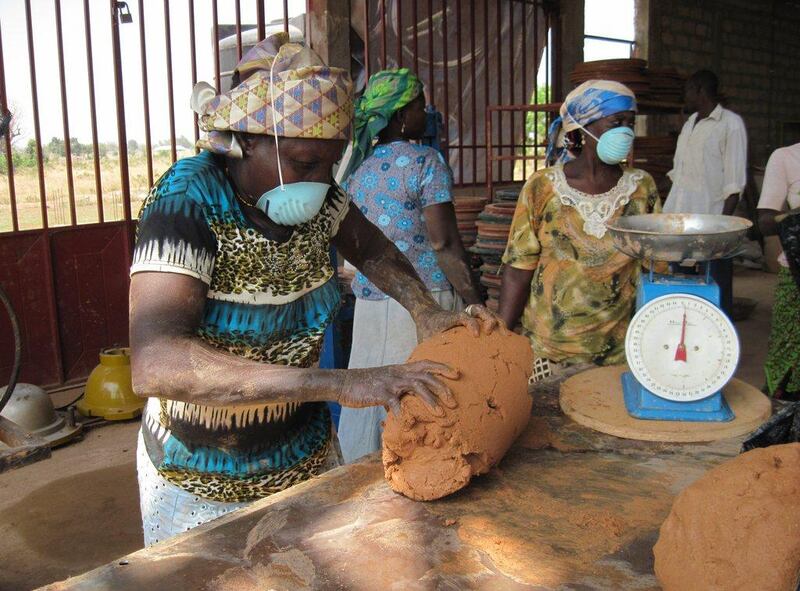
{"x":403,"y":129}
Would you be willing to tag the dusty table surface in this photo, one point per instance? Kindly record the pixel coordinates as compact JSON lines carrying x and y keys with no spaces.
{"x":567,"y":509}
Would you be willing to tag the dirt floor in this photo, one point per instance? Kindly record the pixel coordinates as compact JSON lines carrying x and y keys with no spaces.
{"x":79,"y":509}
{"x":74,"y":511}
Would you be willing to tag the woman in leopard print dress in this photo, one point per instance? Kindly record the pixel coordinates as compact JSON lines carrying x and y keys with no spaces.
{"x":231,"y":295}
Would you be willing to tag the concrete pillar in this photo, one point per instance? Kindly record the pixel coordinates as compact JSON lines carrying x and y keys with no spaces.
{"x":641,"y":24}
{"x":329,"y":31}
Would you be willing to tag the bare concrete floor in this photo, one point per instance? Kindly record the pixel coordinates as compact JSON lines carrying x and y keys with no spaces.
{"x":79,"y":509}
{"x":754,"y":332}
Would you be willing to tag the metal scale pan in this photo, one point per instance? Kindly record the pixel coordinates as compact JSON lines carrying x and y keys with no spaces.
{"x":681,"y":348}
{"x":679,"y":237}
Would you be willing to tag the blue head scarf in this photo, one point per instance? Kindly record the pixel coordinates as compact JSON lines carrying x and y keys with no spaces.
{"x":592,"y":100}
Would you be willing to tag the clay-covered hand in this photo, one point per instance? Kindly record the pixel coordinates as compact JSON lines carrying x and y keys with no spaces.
{"x":474,"y":318}
{"x":383,"y":386}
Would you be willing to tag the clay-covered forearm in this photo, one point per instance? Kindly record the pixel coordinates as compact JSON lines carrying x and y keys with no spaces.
{"x":187,"y":369}
{"x":455,"y":265}
{"x":514,"y":294}
{"x":372,"y":253}
{"x":395,"y":276}
{"x":169,"y":360}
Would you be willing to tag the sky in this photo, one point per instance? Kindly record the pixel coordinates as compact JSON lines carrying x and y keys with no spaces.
{"x":611,"y":18}
{"x":18,"y":88}
{"x":608,"y":18}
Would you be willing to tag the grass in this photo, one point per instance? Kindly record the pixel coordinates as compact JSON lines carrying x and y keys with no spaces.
{"x":28,"y":204}
{"x":26,"y":184}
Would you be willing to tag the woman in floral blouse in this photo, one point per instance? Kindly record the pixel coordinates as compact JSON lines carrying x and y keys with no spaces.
{"x":574,"y":291}
{"x":405,"y":190}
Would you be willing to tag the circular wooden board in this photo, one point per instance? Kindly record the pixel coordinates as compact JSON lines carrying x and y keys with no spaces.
{"x":594,"y":399}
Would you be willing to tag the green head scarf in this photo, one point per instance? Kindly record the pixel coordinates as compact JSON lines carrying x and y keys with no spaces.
{"x":387,"y":92}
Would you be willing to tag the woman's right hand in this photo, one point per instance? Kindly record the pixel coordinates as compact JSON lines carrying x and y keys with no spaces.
{"x":383,"y":386}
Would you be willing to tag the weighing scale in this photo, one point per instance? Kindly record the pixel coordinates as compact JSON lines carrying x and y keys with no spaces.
{"x":681,"y":347}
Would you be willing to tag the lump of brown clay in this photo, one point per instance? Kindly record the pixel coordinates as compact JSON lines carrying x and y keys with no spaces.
{"x":426,"y":457}
{"x":737,"y":528}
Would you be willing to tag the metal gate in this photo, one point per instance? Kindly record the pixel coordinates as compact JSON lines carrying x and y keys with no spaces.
{"x":68,"y":209}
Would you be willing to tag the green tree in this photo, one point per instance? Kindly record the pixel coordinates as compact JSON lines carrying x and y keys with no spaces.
{"x":29,"y":154}
{"x":55,"y":147}
{"x":536,"y":124}
{"x":79,"y":149}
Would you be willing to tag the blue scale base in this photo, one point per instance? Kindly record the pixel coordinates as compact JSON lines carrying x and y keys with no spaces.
{"x":643,"y":404}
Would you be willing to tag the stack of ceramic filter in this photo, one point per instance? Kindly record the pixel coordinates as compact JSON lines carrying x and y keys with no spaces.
{"x":631,"y":72}
{"x":493,"y":225}
{"x":666,"y":85}
{"x":663,"y":86}
{"x":467,"y":211}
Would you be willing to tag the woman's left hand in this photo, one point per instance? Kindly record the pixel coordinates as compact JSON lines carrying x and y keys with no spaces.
{"x":475,"y":318}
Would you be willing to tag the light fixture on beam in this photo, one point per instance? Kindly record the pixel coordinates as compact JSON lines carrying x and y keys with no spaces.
{"x":124,"y":13}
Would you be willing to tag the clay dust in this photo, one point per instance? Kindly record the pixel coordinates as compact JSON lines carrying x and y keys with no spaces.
{"x":577,"y":510}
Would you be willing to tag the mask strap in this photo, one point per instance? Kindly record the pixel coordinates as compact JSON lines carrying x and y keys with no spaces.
{"x":275,"y":123}
{"x":582,"y":127}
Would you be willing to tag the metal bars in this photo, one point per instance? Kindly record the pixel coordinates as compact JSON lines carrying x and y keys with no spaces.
{"x":65,"y":113}
{"x":37,"y":133}
{"x":12,"y":194}
{"x":478,"y":53}
{"x":122,"y":133}
{"x":193,"y":54}
{"x":148,"y":140}
{"x":35,"y":193}
{"x":491,"y":158}
{"x":170,"y":94}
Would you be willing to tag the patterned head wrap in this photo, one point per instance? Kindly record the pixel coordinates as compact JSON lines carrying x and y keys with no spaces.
{"x":592,"y":100}
{"x":306,"y":99}
{"x":387,"y":92}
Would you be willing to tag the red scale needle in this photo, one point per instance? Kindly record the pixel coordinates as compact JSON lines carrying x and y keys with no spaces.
{"x":680,"y":352}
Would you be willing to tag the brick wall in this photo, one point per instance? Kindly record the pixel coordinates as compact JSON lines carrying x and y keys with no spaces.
{"x":752,"y":45}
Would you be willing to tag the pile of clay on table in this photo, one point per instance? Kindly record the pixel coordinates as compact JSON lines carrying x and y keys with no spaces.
{"x":425,"y":456}
{"x":737,"y":528}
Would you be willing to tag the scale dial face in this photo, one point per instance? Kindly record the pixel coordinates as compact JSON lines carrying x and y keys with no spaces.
{"x":682,"y":347}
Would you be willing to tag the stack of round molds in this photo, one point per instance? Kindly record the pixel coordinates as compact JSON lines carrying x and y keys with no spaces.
{"x":467,"y":211}
{"x":494,"y":224}
{"x":630,"y":72}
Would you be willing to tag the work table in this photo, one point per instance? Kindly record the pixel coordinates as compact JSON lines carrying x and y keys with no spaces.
{"x":567,"y":509}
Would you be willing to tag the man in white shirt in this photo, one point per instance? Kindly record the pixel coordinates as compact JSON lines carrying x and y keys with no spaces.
{"x":710,"y":167}
{"x":781,"y":189}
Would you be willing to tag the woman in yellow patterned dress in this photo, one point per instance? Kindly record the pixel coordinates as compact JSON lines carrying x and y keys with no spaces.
{"x":573,"y":290}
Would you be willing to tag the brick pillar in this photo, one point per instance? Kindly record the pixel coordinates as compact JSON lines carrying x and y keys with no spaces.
{"x":571,"y":24}
{"x":329,"y":31}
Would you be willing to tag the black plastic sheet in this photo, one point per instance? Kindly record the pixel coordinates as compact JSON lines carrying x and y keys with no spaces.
{"x":782,"y":427}
{"x":789,"y":233}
